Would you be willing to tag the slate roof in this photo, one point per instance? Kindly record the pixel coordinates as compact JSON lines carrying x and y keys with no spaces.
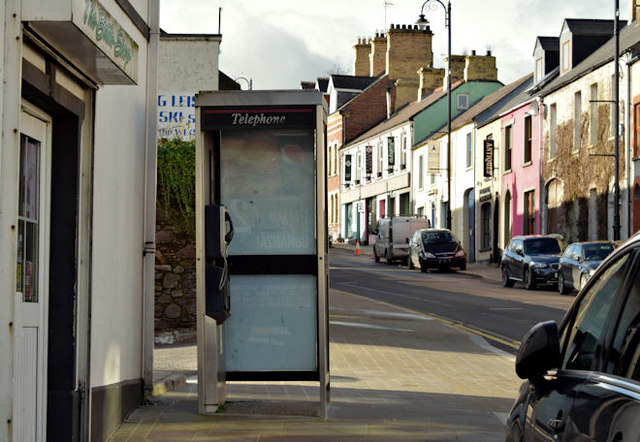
{"x":586,"y":26}
{"x":404,"y":114}
{"x":351,"y":82}
{"x":629,"y":39}
{"x":493,"y":104}
{"x":549,"y":43}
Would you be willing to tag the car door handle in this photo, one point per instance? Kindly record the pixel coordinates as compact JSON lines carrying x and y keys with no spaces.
{"x":557,"y":425}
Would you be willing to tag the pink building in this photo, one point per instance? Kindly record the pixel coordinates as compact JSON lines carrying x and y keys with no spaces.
{"x":521,"y":169}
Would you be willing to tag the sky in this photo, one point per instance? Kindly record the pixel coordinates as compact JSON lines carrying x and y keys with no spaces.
{"x":279,"y":43}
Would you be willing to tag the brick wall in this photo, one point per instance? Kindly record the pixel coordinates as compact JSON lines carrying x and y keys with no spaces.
{"x":368,"y":108}
{"x":480,"y":67}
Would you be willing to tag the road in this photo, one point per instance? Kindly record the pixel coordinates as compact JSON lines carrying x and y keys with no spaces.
{"x":482,"y":306}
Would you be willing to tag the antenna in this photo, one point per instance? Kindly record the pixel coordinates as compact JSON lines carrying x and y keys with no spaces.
{"x":220,"y":20}
{"x":386,"y":4}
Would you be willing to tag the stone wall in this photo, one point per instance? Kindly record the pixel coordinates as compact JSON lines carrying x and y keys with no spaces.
{"x":175,"y":288}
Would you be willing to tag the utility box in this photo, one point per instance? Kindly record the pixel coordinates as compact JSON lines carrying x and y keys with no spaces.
{"x":261,"y":222}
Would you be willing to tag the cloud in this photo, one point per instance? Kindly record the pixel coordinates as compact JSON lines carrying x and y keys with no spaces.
{"x":279,"y":43}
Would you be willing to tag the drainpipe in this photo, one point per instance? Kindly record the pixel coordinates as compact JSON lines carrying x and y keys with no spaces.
{"x":388,"y":103}
{"x":542,"y":228}
{"x":148,"y":278}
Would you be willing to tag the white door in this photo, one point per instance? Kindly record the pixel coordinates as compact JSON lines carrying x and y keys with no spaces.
{"x":32,"y":283}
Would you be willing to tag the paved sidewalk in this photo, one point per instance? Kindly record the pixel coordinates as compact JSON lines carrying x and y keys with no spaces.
{"x":395,"y":375}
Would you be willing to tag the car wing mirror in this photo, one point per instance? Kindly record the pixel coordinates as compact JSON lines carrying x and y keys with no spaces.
{"x":539,"y":351}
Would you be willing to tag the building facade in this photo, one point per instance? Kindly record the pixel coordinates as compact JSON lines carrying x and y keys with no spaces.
{"x":77,"y":214}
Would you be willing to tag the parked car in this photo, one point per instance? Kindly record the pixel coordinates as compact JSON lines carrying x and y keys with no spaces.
{"x":436,"y":248}
{"x":532,"y":260}
{"x":579,"y":261}
{"x":583,"y":376}
{"x":393,"y":234}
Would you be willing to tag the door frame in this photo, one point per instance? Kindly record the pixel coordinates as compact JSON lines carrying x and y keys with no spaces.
{"x":36,"y":124}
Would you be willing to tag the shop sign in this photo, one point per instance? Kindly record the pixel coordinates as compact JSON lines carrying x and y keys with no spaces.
{"x":177,"y":116}
{"x":433,"y":159}
{"x":258,"y":118}
{"x":484,"y":194}
{"x":488,"y":158}
{"x":106,"y":33}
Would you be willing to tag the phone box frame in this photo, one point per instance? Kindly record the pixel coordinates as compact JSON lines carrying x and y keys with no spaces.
{"x":210,"y":335}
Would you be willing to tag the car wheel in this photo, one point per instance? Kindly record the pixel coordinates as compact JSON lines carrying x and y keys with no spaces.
{"x":423,"y":267}
{"x":389,"y":259}
{"x":463,"y":266}
{"x":375,"y":255}
{"x":529,"y":283}
{"x":506,"y":281}
{"x":562,"y":287}
{"x":583,"y":281}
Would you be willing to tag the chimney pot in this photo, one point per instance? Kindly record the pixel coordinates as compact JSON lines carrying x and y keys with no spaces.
{"x":488,"y":53}
{"x":473,"y":52}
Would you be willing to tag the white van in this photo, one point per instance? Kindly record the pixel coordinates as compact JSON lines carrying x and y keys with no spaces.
{"x":393,"y":235}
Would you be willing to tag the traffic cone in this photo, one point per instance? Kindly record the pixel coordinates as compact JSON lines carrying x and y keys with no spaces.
{"x":357,"y":252}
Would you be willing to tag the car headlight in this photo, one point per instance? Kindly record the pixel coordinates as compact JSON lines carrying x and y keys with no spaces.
{"x":538,"y":265}
{"x":460,"y":254}
{"x":428,"y":255}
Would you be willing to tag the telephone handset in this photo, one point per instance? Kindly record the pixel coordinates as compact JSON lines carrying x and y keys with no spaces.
{"x":218,"y":235}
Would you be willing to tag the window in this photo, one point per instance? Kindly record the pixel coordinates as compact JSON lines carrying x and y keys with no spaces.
{"x":582,"y":337}
{"x":485,"y":216}
{"x":403,"y":153}
{"x":527,"y":138}
{"x":463,"y":101}
{"x":552,"y":130}
{"x":391,"y":153}
{"x":507,"y":148}
{"x":577,"y":121}
{"x":626,"y":341}
{"x":420,"y":172}
{"x":529,"y":226}
{"x":636,"y":138}
{"x":539,"y":69}
{"x":593,"y":114}
{"x":566,"y":56}
{"x":469,"y":150}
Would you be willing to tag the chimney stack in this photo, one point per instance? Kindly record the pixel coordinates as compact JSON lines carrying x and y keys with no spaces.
{"x":457,"y":69}
{"x":377,"y":58}
{"x":430,"y":80}
{"x":408,"y":49}
{"x":480,"y":67}
{"x":361,"y":64}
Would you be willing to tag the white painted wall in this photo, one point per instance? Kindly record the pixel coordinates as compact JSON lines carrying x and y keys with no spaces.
{"x":186,"y":66}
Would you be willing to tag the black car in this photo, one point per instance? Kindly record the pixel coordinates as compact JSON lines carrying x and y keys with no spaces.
{"x":583,"y":377}
{"x":531,"y":259}
{"x":579,"y":261}
{"x":436,"y":248}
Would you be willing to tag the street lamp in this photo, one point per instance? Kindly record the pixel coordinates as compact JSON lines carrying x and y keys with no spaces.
{"x":422,"y":22}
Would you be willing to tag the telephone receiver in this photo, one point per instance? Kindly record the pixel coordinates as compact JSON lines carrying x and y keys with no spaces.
{"x":228,"y":227}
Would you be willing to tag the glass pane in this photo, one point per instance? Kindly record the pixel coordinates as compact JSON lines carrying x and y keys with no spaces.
{"x":268,"y":188}
{"x":30,"y":293}
{"x":20,"y":259}
{"x":29,"y":199}
{"x":588,"y":324}
{"x":273,"y":322}
{"x":626,"y":343}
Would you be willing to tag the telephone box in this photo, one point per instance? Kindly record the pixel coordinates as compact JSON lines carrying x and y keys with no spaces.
{"x":261,"y":240}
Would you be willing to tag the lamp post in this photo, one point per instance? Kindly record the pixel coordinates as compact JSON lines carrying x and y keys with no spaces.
{"x":422,"y":22}
{"x":616,"y":119}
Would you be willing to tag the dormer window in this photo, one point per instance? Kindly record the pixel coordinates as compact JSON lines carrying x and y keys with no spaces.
{"x":539,"y":69}
{"x":463,"y":101}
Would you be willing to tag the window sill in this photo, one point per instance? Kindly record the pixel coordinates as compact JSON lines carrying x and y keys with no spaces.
{"x":527,"y":163}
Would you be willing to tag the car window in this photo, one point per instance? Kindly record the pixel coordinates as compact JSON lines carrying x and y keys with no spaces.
{"x":583,"y":334}
{"x":569,"y":252}
{"x":597,"y":252}
{"x":517,"y":246}
{"x":625,"y":349}
{"x":540,"y":246}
